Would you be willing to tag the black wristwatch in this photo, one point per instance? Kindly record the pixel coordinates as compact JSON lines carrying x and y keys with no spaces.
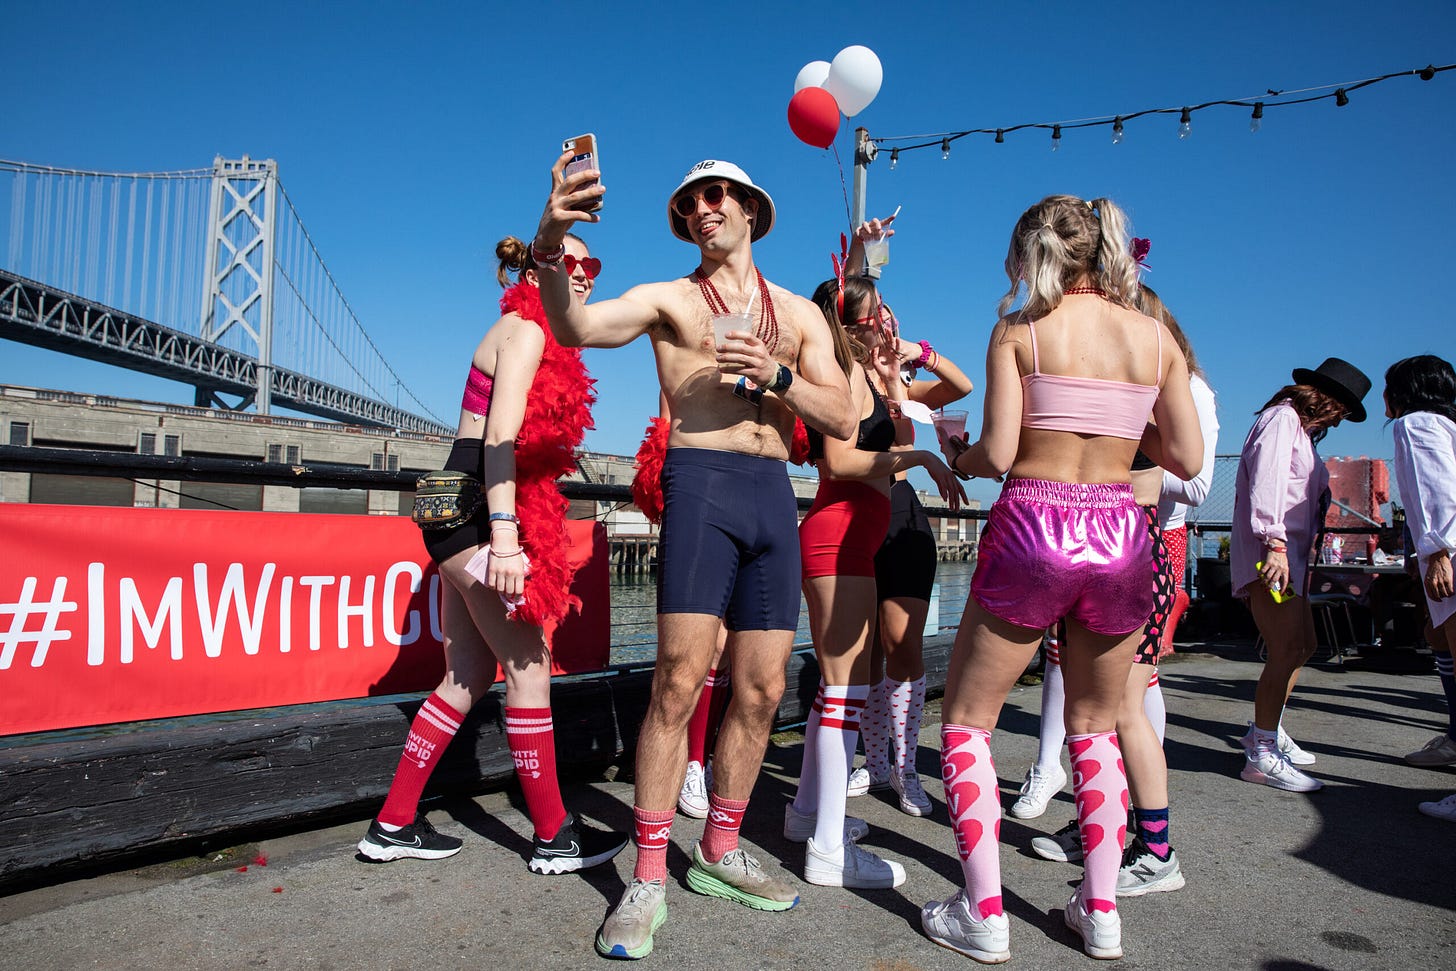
{"x":782,"y":380}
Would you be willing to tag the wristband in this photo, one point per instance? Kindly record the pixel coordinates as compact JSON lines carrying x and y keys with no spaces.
{"x":551,"y":258}
{"x":925,"y":351}
{"x":508,"y":517}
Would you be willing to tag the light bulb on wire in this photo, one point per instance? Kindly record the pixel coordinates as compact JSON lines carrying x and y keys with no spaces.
{"x":1056,"y":137}
{"x":1117,"y":130}
{"x":894,"y":158}
{"x":1257,"y":118}
{"x":1185,"y":123}
{"x":945,"y":148}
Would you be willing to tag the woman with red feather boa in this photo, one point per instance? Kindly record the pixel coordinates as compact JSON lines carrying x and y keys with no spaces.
{"x":526,"y":406}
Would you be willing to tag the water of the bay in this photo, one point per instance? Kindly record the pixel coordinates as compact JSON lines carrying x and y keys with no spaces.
{"x":634,"y":610}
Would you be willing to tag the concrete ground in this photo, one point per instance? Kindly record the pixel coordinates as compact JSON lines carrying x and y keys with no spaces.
{"x":1349,"y":877}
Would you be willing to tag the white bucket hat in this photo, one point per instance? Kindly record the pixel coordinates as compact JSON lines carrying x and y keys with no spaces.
{"x":728,"y":172}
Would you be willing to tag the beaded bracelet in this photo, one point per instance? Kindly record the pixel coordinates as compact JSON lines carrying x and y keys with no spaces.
{"x":506,"y":556}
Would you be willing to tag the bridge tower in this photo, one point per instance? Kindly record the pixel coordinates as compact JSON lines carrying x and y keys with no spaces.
{"x":238,"y":286}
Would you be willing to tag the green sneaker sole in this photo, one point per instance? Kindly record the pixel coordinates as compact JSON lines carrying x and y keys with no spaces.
{"x":624,"y":953}
{"x":700,"y":881}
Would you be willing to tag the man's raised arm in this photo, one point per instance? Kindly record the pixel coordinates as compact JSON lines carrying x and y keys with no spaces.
{"x":821,"y":398}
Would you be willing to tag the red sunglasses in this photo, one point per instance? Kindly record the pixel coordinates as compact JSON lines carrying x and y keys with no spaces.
{"x":687,"y":203}
{"x":591,"y":266}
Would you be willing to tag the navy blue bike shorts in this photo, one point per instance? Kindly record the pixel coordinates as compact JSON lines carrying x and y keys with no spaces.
{"x":730,"y":539}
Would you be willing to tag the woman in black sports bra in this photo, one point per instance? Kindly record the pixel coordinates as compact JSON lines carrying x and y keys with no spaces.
{"x":838,"y":540}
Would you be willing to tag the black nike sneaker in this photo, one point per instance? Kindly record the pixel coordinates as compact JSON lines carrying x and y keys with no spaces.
{"x":575,"y":846}
{"x":418,"y":840}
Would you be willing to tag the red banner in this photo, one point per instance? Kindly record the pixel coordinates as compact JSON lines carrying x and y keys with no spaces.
{"x":114,"y":614}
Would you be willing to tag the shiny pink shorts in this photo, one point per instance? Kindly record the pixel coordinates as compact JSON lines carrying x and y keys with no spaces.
{"x":1054,"y":550}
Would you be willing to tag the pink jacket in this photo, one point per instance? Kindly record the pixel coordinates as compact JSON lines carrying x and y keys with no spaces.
{"x":1279,"y":497}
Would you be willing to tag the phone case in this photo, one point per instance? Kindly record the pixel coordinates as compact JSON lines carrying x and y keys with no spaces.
{"x":585,"y":156}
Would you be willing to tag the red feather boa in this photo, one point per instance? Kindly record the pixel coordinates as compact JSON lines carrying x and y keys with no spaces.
{"x":558,"y":413}
{"x":647,"y":483}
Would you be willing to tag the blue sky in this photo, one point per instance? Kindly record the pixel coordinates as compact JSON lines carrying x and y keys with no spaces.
{"x":412,"y":136}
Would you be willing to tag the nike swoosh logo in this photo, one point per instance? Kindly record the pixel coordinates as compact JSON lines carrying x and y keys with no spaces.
{"x":572,"y":850}
{"x":414,"y":842}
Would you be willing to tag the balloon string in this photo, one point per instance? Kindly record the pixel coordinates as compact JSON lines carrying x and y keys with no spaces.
{"x":848,"y":217}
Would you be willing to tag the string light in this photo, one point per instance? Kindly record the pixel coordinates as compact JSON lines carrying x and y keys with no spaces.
{"x":1339,"y":93}
{"x":894,"y":158}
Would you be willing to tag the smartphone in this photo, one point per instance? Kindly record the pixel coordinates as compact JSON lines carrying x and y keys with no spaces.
{"x":584,"y":156}
{"x":1279,"y":596}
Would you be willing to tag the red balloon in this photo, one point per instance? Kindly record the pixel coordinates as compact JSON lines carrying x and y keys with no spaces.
{"x":814,"y":116}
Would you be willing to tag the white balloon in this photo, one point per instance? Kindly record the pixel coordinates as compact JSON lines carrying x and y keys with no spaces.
{"x":811,"y":75}
{"x":854,"y":79}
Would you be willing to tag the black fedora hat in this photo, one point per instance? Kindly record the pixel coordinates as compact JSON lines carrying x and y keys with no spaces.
{"x":1341,"y":380}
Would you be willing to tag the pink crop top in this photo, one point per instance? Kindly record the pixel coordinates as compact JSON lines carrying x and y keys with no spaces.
{"x":476,"y":399}
{"x":1088,"y":406}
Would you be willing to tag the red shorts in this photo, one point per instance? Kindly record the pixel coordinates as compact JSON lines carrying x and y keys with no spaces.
{"x":844,"y":529}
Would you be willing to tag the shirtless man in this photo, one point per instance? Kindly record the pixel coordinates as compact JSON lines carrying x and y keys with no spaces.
{"x":730,"y":546}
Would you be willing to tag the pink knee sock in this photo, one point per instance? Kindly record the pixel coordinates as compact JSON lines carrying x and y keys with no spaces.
{"x":1099,"y":784}
{"x":975,"y":811}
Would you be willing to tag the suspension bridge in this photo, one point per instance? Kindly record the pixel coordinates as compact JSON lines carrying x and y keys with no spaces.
{"x":203,"y":276}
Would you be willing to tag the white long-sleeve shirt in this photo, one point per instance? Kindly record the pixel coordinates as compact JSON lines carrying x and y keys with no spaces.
{"x":1179,"y":496}
{"x":1277,"y":497}
{"x":1425,"y":471}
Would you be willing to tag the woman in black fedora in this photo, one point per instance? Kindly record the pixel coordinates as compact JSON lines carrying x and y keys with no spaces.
{"x":1279,"y":505}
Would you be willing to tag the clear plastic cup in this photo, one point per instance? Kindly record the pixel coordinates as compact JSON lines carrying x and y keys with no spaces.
{"x":949,"y":423}
{"x":877,"y":251}
{"x":723,"y":323}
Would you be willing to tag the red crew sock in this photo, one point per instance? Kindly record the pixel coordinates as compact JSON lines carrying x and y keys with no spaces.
{"x":698,"y":725}
{"x":652,"y":830}
{"x":430,"y":732}
{"x":725,"y":819}
{"x":533,"y":746}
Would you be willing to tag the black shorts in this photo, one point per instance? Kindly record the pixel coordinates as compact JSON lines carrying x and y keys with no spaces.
{"x":730,"y":539}
{"x":466,"y":455}
{"x":905,"y":563}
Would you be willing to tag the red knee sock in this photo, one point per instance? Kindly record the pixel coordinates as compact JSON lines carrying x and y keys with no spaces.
{"x":533,"y":746}
{"x":725,"y":819}
{"x":431,"y":731}
{"x":652,"y":830}
{"x":698,"y":725}
{"x":722,"y":694}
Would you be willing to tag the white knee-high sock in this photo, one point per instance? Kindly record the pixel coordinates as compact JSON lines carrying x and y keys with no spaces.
{"x":806,"y":799}
{"x":1053,"y":716}
{"x":837,"y":730}
{"x":1154,"y":706}
{"x":875,"y":728}
{"x":907,"y":703}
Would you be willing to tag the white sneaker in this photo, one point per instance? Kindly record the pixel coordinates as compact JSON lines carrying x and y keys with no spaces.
{"x":1038,"y":790}
{"x":1287,"y":745}
{"x":913,"y":800}
{"x":1273,"y":769}
{"x":864,"y":779}
{"x":693,"y":800}
{"x":798,"y":827}
{"x":950,"y":924}
{"x":856,"y":867}
{"x":1444,"y":809}
{"x":1101,"y":931}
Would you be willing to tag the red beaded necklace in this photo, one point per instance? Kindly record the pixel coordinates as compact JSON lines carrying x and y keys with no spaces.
{"x":768,"y":321}
{"x":1097,"y":290}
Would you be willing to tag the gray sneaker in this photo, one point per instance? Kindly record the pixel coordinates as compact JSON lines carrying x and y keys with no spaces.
{"x":798,"y":826}
{"x":739,"y":877}
{"x":950,"y":924}
{"x":1064,"y":846}
{"x":1142,"y":872}
{"x":1440,"y":750}
{"x":627,"y":932}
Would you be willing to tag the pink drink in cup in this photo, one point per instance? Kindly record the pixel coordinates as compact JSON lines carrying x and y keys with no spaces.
{"x":949,"y":423}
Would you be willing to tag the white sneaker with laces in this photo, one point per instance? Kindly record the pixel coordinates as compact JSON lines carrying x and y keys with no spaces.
{"x":693,"y":799}
{"x":1038,"y":789}
{"x":1273,"y":769}
{"x":913,"y":800}
{"x":950,"y":923}
{"x":864,"y":779}
{"x":1441,"y":809}
{"x":855,"y":867}
{"x":1101,"y":931}
{"x":798,"y":827}
{"x":1287,"y":746}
